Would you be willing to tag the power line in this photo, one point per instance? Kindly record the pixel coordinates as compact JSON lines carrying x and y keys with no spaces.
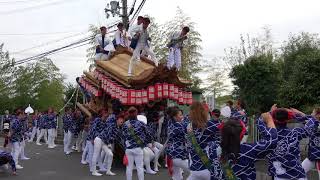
{"x":12,"y":2}
{"x":33,"y":7}
{"x":47,"y":43}
{"x":34,"y":34}
{"x":137,"y":11}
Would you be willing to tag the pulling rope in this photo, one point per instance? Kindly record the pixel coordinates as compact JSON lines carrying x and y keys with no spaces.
{"x":69,"y":99}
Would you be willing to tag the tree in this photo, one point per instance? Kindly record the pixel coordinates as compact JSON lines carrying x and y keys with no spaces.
{"x":39,"y":84}
{"x":258,"y":81}
{"x":6,"y":71}
{"x":250,"y":46}
{"x":300,"y":71}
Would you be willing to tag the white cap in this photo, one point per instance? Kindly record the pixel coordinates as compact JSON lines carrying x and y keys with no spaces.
{"x":142,"y":118}
{"x":226,"y":111}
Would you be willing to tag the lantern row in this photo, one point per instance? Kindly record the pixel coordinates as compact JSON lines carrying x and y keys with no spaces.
{"x":142,"y":96}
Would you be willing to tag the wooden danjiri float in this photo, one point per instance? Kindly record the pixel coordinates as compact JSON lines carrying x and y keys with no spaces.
{"x":109,"y":81}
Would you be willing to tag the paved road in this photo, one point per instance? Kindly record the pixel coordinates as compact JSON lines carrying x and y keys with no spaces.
{"x":52,"y":164}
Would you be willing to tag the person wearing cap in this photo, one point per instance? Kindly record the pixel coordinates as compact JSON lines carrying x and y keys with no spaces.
{"x":284,"y":161}
{"x":101,"y":42}
{"x":175,"y":46}
{"x":16,"y":136}
{"x":120,"y":37}
{"x":5,"y":159}
{"x":142,"y":45}
{"x":104,"y":142}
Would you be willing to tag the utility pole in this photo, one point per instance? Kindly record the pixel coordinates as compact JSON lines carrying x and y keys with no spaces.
{"x":125,"y":17}
{"x":114,"y":8}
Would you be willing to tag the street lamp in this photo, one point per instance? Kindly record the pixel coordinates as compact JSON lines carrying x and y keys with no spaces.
{"x":28,"y":110}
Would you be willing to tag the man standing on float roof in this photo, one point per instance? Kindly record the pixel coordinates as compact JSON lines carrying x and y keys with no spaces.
{"x":175,"y":46}
{"x":142,"y":45}
{"x":101,"y":41}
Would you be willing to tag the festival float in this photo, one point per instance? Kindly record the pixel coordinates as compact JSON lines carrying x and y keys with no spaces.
{"x":109,"y":81}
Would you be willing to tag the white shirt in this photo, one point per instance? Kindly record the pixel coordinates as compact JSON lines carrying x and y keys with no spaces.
{"x":98,"y":40}
{"x":176,"y":35}
{"x":134,"y":29}
{"x":120,"y":39}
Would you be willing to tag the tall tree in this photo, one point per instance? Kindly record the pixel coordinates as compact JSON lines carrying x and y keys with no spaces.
{"x":258,"y":81}
{"x":300,"y":71}
{"x":6,"y":71}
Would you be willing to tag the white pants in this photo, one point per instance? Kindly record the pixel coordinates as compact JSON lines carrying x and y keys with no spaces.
{"x":88,"y":156}
{"x":136,"y":55}
{"x":98,"y":146}
{"x":199,"y":175}
{"x":308,"y":165}
{"x":135,"y":156}
{"x":43,"y":133}
{"x":276,"y":178}
{"x":157,"y":152}
{"x":174,"y":58}
{"x":65,"y":141}
{"x":33,"y":134}
{"x":148,"y":156}
{"x":71,"y":141}
{"x":102,"y":57}
{"x":178,"y":166}
{"x":83,"y":141}
{"x":16,"y":150}
{"x":51,"y":137}
{"x":22,"y":146}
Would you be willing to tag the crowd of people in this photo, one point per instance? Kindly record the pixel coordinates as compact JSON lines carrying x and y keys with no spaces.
{"x":202,"y":145}
{"x":138,"y":39}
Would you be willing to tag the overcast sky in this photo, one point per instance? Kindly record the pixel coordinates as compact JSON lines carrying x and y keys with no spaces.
{"x":53,"y":23}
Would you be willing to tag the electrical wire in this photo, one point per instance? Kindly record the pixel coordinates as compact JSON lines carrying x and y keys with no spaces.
{"x":47,"y":43}
{"x":33,"y":7}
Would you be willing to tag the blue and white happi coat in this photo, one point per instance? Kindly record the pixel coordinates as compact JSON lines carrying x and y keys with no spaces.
{"x":111,"y":131}
{"x":67,"y":121}
{"x":16,"y":130}
{"x":203,"y":137}
{"x":284,"y":161}
{"x":140,"y":130}
{"x":314,"y":143}
{"x":11,"y":161}
{"x":176,"y":146}
{"x":51,"y":121}
{"x":95,"y":129}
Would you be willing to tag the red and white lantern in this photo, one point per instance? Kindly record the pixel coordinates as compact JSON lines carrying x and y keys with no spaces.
{"x":138,"y":97}
{"x":185,"y":97}
{"x":144,"y":94}
{"x":132,"y":96}
{"x":124,"y":96}
{"x":165,"y":87}
{"x":158,"y":91}
{"x":180,"y":101}
{"x":176,"y":93}
{"x":190,"y":99}
{"x":171,"y":91}
{"x":118,"y":95}
{"x":151,"y":93}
